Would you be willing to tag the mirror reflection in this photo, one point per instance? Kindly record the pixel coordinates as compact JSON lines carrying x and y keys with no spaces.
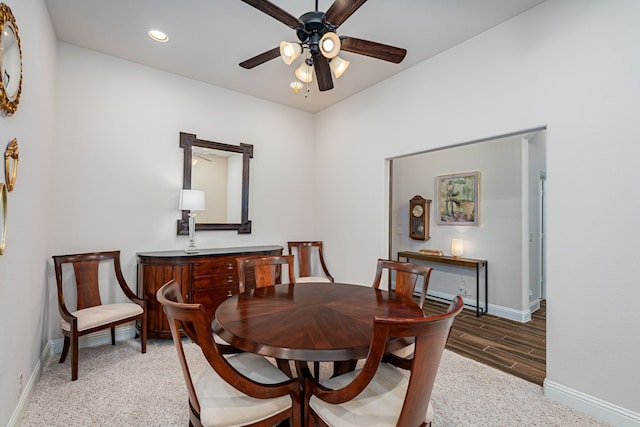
{"x":219,"y":174}
{"x":222,"y":172}
{"x":10,"y":62}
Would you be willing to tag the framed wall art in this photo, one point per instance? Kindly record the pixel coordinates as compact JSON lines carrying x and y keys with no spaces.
{"x":458,"y":198}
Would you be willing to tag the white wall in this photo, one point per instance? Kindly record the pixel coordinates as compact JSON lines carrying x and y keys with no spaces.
{"x":23,"y":309}
{"x":117,"y":135}
{"x":496,"y":238}
{"x":570,"y":65}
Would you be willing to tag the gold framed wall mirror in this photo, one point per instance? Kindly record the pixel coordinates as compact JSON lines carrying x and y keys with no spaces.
{"x":222,"y":172}
{"x":10,"y":62}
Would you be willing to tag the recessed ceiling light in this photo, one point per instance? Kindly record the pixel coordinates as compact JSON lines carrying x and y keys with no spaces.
{"x":158,"y":36}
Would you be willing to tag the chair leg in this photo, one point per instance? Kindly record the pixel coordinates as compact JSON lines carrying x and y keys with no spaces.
{"x":143,"y":334}
{"x":74,"y":357}
{"x":65,"y":349}
{"x":113,"y":336}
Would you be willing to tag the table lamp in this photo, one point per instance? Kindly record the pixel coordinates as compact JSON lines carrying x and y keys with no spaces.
{"x":192,"y":200}
{"x":457,"y":248}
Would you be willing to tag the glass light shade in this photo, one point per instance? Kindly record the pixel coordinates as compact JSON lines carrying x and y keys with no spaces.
{"x":330,"y":45}
{"x":191,"y":200}
{"x":296,"y":86}
{"x":457,"y":248}
{"x":289,"y":51}
{"x":338,"y":66}
{"x":304,"y":73}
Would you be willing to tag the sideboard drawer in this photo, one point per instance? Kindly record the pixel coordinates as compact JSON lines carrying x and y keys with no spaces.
{"x":215,"y":280}
{"x":209,"y":267}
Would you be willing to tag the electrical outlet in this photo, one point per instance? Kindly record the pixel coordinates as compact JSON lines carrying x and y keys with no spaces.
{"x":20,"y":385}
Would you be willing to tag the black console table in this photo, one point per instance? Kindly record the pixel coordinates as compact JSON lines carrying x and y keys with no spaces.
{"x":477,"y":264}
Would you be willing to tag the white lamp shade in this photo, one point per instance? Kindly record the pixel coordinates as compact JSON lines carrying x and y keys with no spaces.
{"x":330,"y":45}
{"x":338,"y":66}
{"x":457,"y":247}
{"x":304,"y":73}
{"x":191,"y":200}
{"x":289,"y":51}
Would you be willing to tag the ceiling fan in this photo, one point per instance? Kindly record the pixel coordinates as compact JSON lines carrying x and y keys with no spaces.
{"x":316,"y":31}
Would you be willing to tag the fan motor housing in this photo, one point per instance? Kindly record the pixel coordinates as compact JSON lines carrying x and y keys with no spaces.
{"x":314,"y":23}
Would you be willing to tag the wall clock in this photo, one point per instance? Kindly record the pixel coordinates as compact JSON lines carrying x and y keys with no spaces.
{"x":419,"y":213}
{"x":10,"y":62}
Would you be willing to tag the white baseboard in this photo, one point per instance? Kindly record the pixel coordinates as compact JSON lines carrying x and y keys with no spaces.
{"x":55,"y":347}
{"x":521,"y":316}
{"x":605,"y":411}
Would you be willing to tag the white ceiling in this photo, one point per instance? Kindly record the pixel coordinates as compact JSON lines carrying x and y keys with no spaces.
{"x":209,"y":38}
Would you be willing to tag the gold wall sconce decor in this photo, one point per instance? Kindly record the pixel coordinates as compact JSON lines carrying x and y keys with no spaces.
{"x":11,"y":164}
{"x":10,"y":62}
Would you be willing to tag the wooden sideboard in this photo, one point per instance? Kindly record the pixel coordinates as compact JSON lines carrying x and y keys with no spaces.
{"x":208,"y":278}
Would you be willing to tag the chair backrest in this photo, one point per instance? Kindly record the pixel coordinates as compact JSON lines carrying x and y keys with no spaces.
{"x":193,"y":321}
{"x":267,"y":270}
{"x":86,"y":270}
{"x":431,"y":335}
{"x":407,"y":276}
{"x":307,"y":253}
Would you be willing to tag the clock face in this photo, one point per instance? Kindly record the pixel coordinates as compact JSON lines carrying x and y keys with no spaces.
{"x":417,"y":211}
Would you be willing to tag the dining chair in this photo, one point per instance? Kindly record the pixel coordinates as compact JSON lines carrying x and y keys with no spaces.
{"x":91,"y":314}
{"x":309,"y":255}
{"x":266,"y":270}
{"x":241,"y":389}
{"x":406,"y":278}
{"x":380,"y":393}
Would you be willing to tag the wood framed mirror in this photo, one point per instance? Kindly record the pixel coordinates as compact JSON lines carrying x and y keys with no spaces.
{"x":222,"y":172}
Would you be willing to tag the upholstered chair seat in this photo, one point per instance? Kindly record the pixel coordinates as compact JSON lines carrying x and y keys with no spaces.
{"x":389,"y":385}
{"x":223,"y":405}
{"x":99,"y":315}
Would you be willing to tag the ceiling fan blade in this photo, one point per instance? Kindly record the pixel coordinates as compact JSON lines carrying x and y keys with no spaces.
{"x":340,"y":10}
{"x":261,"y":59}
{"x":323,"y":73}
{"x":372,"y":49}
{"x":274,"y":11}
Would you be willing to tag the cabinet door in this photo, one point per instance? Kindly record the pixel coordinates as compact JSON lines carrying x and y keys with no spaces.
{"x":152,"y":277}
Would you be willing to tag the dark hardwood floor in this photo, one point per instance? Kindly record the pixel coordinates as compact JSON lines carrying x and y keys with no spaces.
{"x":513,"y":347}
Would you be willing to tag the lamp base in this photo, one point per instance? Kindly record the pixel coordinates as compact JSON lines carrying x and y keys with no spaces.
{"x":191,"y":249}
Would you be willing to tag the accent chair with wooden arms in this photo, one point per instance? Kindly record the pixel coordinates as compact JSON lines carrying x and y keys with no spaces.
{"x":309,"y":254}
{"x":90,"y":314}
{"x":241,"y":389}
{"x":381,"y":394}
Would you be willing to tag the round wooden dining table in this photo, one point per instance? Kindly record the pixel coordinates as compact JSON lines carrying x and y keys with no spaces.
{"x":321,"y":322}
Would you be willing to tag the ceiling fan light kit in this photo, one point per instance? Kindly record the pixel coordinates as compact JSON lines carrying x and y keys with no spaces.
{"x":289,"y":51}
{"x":304,"y":72}
{"x":338,"y":66}
{"x":316,"y":31}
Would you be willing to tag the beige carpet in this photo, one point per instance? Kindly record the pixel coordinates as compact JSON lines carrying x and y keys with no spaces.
{"x":119,"y":386}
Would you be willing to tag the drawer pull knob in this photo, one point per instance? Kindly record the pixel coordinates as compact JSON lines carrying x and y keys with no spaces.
{"x":230,"y":279}
{"x":229,"y":294}
{"x":229,"y":266}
